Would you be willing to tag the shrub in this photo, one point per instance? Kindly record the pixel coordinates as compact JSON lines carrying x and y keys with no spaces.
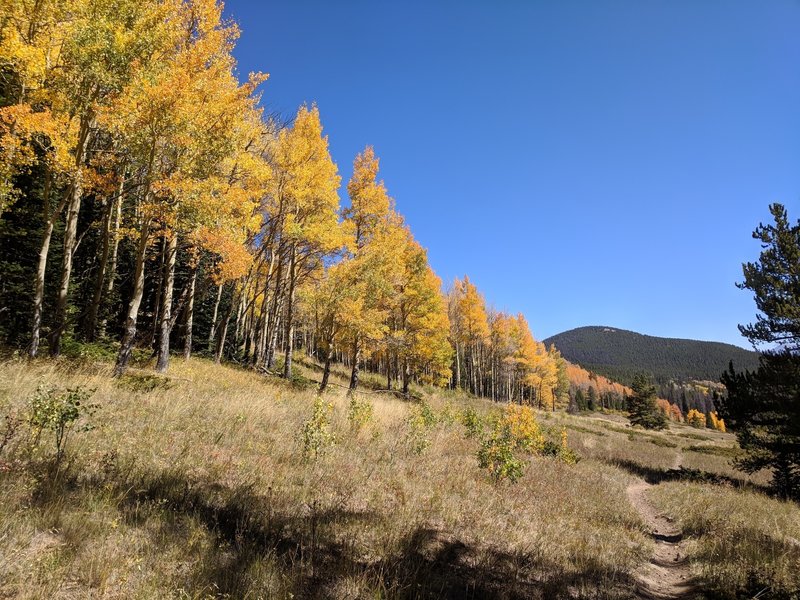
{"x":427,"y":414}
{"x":565,"y":453}
{"x":59,"y":411}
{"x":417,"y":435}
{"x":696,"y":419}
{"x":472,"y":422}
{"x":88,"y":351}
{"x":663,"y":442}
{"x":515,"y":429}
{"x":560,"y":449}
{"x":419,"y":422}
{"x":496,"y":454}
{"x":316,"y":435}
{"x":359,"y":412}
{"x":448,"y":414}
{"x":523,"y":428}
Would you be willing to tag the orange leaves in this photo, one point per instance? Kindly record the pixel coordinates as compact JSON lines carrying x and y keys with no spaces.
{"x":671,"y":411}
{"x":581,"y":378}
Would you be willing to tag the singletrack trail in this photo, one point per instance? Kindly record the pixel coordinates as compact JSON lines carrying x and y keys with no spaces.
{"x":666,"y":575}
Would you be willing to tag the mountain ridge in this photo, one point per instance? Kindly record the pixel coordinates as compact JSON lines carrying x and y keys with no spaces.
{"x":620,"y":353}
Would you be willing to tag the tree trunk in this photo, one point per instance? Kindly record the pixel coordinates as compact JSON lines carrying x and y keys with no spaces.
{"x":223,"y":333}
{"x":458,"y":368}
{"x":75,"y":195}
{"x":356,"y":360}
{"x":212,"y":337}
{"x":473,"y":371}
{"x":90,"y":327}
{"x":129,"y":337}
{"x":158,"y":297}
{"x":326,"y":372}
{"x":287,"y":363}
{"x":112,"y":268}
{"x":166,"y":309}
{"x":38,"y":297}
{"x":187,"y":341}
{"x":115,"y":245}
{"x":406,"y":376}
{"x":272,"y":335}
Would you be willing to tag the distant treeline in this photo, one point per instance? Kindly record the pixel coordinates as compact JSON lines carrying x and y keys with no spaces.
{"x":620,"y":355}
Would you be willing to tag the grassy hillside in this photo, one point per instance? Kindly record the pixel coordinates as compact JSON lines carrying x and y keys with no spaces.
{"x":620,"y":354}
{"x":196,"y":486}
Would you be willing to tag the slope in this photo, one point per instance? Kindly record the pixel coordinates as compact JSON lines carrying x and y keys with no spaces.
{"x":620,"y":354}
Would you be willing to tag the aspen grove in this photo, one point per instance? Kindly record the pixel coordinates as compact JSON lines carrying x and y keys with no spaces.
{"x":149,"y":205}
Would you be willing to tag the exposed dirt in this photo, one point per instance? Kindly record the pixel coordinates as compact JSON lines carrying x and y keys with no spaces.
{"x":667,"y":574}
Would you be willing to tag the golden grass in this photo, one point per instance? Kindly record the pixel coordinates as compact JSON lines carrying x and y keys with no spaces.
{"x":194,"y":486}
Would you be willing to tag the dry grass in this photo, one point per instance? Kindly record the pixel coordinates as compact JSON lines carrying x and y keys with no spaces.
{"x":197,"y":488}
{"x":194,"y":486}
{"x":744,"y":544}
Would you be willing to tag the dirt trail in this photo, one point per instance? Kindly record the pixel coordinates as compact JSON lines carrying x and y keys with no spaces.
{"x":666,"y":575}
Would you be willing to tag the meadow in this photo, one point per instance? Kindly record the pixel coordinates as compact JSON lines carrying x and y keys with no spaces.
{"x":213,"y":483}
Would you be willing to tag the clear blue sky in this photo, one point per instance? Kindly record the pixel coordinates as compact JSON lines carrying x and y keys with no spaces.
{"x":586,"y":163}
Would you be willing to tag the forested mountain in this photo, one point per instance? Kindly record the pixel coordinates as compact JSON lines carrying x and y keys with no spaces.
{"x":619,"y":354}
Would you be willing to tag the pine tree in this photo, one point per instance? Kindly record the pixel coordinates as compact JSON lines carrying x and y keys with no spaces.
{"x":763,"y":407}
{"x":642,"y":407}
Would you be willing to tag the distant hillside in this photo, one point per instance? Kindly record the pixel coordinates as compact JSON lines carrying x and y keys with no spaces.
{"x":620,"y":354}
{"x":583,"y":379}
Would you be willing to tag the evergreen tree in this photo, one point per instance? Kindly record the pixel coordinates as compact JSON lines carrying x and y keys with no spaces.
{"x":642,"y":407}
{"x":775,"y":281}
{"x":591,"y":402}
{"x":580,"y":399}
{"x":763,"y":406}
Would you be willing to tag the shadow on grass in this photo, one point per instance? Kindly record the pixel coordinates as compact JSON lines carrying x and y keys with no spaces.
{"x":426,"y":563}
{"x":655,"y":475}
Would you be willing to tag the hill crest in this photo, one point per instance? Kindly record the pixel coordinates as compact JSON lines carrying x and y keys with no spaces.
{"x":619,"y":354}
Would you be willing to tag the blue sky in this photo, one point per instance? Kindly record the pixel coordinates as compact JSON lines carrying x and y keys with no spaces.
{"x":585,"y":163}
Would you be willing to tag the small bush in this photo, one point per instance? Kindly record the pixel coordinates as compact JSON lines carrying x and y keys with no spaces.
{"x":496,"y":455}
{"x":472,"y":422}
{"x":560,"y":449}
{"x":585,"y":430}
{"x":419,"y":422}
{"x":523,"y":428}
{"x":417,"y":435}
{"x":696,"y":419}
{"x":316,"y":435}
{"x":88,"y":351}
{"x":716,"y":422}
{"x":427,"y":414}
{"x":59,"y":411}
{"x":359,"y":412}
{"x":515,"y":429}
{"x":448,"y":414}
